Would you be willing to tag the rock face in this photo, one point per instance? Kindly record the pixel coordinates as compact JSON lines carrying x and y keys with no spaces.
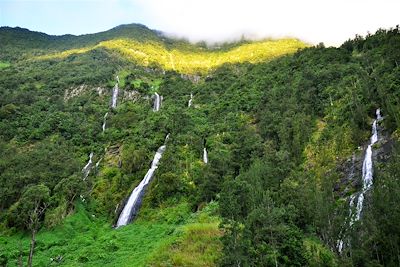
{"x":130,"y":95}
{"x":81,"y":89}
{"x":101,"y":91}
{"x":351,"y":173}
{"x":74,"y":91}
{"x":351,"y":169}
{"x":193,"y":78}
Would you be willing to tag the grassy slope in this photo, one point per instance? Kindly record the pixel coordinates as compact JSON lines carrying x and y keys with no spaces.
{"x":197,"y":244}
{"x":84,"y":240}
{"x":189,"y":59}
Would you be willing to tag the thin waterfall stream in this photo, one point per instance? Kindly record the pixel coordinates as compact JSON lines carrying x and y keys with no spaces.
{"x":133,"y":204}
{"x":114,"y":96}
{"x":190,"y":100}
{"x":157,"y":102}
{"x":104,"y":122}
{"x":367,"y":169}
{"x":205,"y":156}
{"x":367,"y":178}
{"x":88,"y":166}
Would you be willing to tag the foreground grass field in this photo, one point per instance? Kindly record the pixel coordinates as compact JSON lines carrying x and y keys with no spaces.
{"x":84,"y":240}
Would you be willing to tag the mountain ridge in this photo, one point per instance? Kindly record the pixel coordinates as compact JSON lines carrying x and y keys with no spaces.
{"x":252,"y":172}
{"x":37,"y":43}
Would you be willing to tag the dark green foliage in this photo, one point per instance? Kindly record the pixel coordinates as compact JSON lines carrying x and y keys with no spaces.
{"x":275,"y":133}
{"x":25,"y":212}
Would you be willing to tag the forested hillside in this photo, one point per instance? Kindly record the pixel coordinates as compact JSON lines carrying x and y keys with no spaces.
{"x":285,"y":133}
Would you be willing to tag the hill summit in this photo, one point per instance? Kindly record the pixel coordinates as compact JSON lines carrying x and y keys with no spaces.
{"x":142,"y":46}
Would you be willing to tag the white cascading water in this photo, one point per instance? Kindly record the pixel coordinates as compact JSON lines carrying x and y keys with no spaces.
{"x":98,"y":163}
{"x":88,"y":166}
{"x":104,"y":122}
{"x":157,"y":102}
{"x":367,"y":177}
{"x":351,"y":208}
{"x":378,"y":114}
{"x":340,"y":242}
{"x":132,"y":206}
{"x":114,"y":96}
{"x":190,"y":100}
{"x":367,"y":169}
{"x":205,"y":156}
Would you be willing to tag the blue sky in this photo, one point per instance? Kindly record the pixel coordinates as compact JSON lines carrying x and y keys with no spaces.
{"x":314,"y":21}
{"x":69,"y":16}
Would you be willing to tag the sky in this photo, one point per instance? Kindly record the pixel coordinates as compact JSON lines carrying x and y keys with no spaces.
{"x":329,"y":21}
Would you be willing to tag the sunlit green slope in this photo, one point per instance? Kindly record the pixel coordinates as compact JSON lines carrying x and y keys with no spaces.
{"x":193,"y":60}
{"x":142,"y":46}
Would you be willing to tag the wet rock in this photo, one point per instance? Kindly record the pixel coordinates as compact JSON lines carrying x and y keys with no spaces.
{"x":190,"y":77}
{"x":351,"y":169}
{"x":130,"y":95}
{"x":81,"y":89}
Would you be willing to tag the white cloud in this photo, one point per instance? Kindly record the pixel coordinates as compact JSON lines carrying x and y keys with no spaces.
{"x":331,"y":22}
{"x":314,"y":21}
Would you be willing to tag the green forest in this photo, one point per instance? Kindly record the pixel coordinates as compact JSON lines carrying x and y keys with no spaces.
{"x":286,"y":126}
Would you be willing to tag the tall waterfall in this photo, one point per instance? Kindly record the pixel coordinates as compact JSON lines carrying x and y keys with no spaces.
{"x":190,"y":100}
{"x":88,"y":166}
{"x":114,"y":96}
{"x":104,"y":122}
{"x":367,"y":177}
{"x":367,"y":169}
{"x":205,"y":156}
{"x":157,"y":102}
{"x":132,"y":206}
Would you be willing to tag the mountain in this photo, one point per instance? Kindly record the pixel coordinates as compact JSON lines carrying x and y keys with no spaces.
{"x":248,"y":154}
{"x":140,"y":45}
{"x":25,"y":39}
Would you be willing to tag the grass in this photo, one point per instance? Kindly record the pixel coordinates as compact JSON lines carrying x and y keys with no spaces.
{"x":317,"y":254}
{"x":193,"y":60}
{"x":84,"y":240}
{"x":198,"y":244}
{"x":4,"y":65}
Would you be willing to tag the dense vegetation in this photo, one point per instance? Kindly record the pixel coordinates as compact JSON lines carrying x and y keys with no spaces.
{"x":277,"y":133}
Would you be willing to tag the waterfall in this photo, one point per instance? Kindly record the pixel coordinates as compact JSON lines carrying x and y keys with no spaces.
{"x":351,"y":208}
{"x":88,"y":166}
{"x":132,"y":206}
{"x":114,"y":96}
{"x":104,"y":122}
{"x":98,"y":163}
{"x":205,"y":156}
{"x":157,"y":102}
{"x":367,"y":169}
{"x":378,"y":114}
{"x":340,"y":243}
{"x":190,"y":100}
{"x":367,"y":178}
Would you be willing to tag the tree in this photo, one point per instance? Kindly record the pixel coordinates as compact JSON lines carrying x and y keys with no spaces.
{"x":30,"y":210}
